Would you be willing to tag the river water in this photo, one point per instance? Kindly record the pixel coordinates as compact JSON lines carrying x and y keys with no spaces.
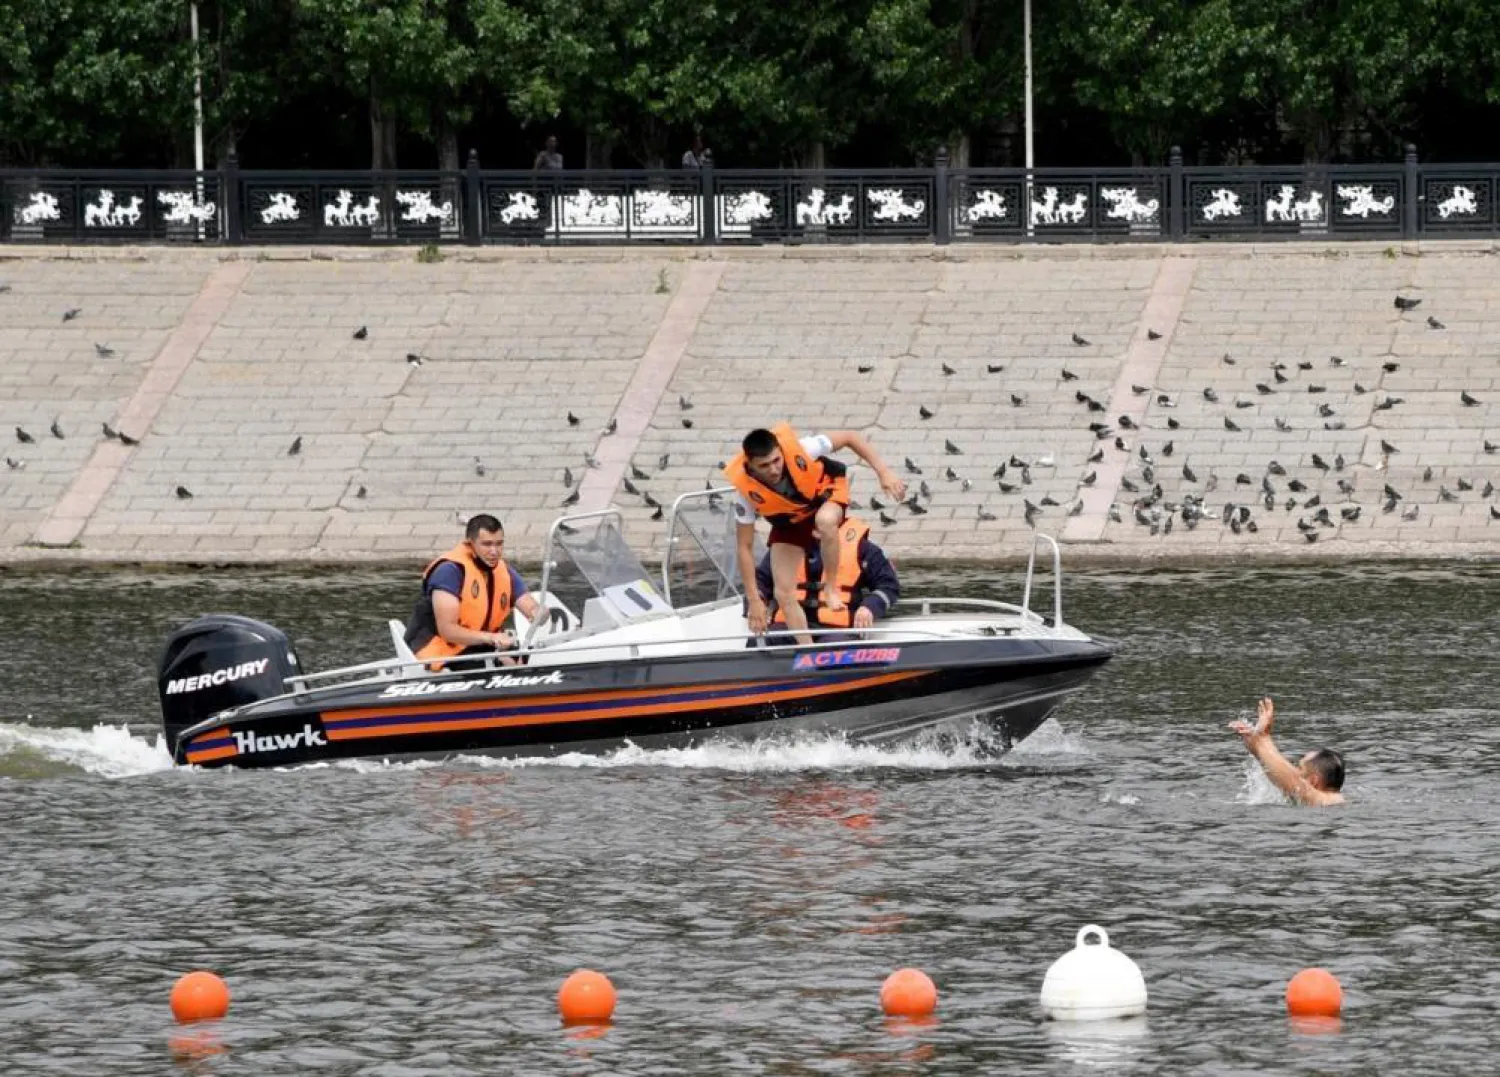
{"x":748,"y":901}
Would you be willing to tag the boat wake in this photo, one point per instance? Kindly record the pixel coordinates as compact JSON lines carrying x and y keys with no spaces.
{"x":110,"y":751}
{"x":113,"y":751}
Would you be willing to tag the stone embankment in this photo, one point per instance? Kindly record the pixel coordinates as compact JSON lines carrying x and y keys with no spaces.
{"x":338,"y":404}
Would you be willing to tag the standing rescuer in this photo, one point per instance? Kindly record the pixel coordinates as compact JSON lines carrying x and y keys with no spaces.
{"x":467,"y":594}
{"x":795,"y":484}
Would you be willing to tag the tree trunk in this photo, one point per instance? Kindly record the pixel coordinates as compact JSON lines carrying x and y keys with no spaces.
{"x":963,"y":151}
{"x":598,"y":150}
{"x":382,"y":132}
{"x":815,"y":157}
{"x":447,"y":145}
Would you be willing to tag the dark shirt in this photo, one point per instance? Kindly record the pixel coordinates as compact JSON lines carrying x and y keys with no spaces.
{"x":877,"y":577}
{"x":550,"y":161}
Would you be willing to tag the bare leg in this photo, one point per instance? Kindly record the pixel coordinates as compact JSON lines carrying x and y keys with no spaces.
{"x":786,"y":562}
{"x":827,"y":523}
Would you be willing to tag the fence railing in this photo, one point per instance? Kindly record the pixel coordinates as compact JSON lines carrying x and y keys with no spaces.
{"x":1408,"y":200}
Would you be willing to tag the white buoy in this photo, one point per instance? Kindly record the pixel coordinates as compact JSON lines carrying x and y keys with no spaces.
{"x":1093,"y":982}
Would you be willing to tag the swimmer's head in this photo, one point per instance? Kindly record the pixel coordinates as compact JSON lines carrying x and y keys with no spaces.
{"x":1323,"y":769}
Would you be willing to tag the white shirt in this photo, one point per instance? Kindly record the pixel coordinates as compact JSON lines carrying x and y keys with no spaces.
{"x":815,"y":446}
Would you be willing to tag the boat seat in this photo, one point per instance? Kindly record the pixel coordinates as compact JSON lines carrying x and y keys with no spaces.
{"x":403,"y":651}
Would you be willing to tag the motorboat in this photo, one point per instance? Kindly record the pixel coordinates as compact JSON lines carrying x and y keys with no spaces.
{"x":625,"y":659}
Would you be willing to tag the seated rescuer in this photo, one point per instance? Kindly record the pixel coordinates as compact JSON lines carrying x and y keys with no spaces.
{"x":1314,"y":780}
{"x":867,"y":585}
{"x":796,"y":485}
{"x":467,"y":593}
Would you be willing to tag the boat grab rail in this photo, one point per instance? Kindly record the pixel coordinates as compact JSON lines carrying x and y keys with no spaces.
{"x":1057,"y":619}
{"x":390,"y":668}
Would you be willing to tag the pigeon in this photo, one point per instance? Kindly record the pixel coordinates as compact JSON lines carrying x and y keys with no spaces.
{"x":1433,"y":323}
{"x":911,"y":467}
{"x":924,"y":489}
{"x":296,"y":446}
{"x":629,"y":487}
{"x":1313,"y":502}
{"x":658,"y":514}
{"x":1089,"y":479}
{"x":1297,"y":486}
{"x":1148,"y":474}
{"x":888,"y":520}
{"x":103,"y":351}
{"x":1152,"y":334}
{"x":4,"y":288}
{"x":993,"y":368}
{"x":1319,"y":463}
{"x":1427,"y":474}
{"x":1017,"y":401}
{"x":1129,"y":487}
{"x":986,"y":516}
{"x":1464,"y":484}
{"x":1048,"y":502}
{"x":1096,"y":456}
{"x":687,"y":424}
{"x":183,"y":493}
{"x":1114,"y":513}
{"x":1140,"y":390}
{"x":1402,"y":303}
{"x":110,"y":432}
{"x":684,"y":404}
{"x":15,"y":465}
{"x":1068,"y":375}
{"x":1008,"y":487}
{"x":1030,"y":513}
{"x":663,"y":461}
{"x":952,"y":449}
{"x":414,"y":359}
{"x":1411,"y":513}
{"x":1469,"y":401}
{"x":572,"y":499}
{"x":1173,"y":424}
{"x":1165,"y":401}
{"x":1359,"y":390}
{"x":1350,"y":514}
{"x":648,"y":499}
{"x":876,"y":503}
{"x":1388,"y":403}
{"x":361,"y":333}
{"x":26,"y":439}
{"x":1392,"y":493}
{"x":1387,"y":448}
{"x":1489,"y":488}
{"x":1188,"y":474}
{"x":1228,"y":359}
{"x":1280,"y":378}
{"x":637,"y":473}
{"x":951,"y":475}
{"x":915,"y":507}
{"x":1211,"y":396}
{"x":1346,"y":487}
{"x":1338,"y":462}
{"x":1317,"y":388}
{"x":57,"y":430}
{"x":1080,"y":341}
{"x":948,"y":371}
{"x":1127,"y":423}
{"x":923,"y":412}
{"x":1242,"y":479}
{"x":1494,"y":513}
{"x":1325,"y":410}
{"x":71,"y":313}
{"x":865,"y":368}
{"x":1263,"y":389}
{"x":1337,"y":424}
{"x":1077,"y":508}
{"x":611,"y":426}
{"x":1244,"y":404}
{"x":1445,"y":494}
{"x":1489,"y":446}
{"x":126,"y":439}
{"x":1334,"y":360}
{"x":1282,"y":424}
{"x":1304,"y":364}
{"x":590,"y":460}
{"x":360,"y":493}
{"x":573,"y":420}
{"x":1230,"y":425}
{"x":478,"y":467}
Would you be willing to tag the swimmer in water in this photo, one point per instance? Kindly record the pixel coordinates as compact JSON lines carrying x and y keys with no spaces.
{"x":1313,"y":781}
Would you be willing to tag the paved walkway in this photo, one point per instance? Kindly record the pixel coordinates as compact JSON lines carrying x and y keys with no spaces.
{"x":335,"y":404}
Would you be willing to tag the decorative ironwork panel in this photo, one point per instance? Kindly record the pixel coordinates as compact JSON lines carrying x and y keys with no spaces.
{"x":1459,"y":201}
{"x":362,"y":207}
{"x":830,"y":206}
{"x":1057,"y":205}
{"x":1367,"y":202}
{"x":110,"y":207}
{"x":595,"y":207}
{"x":1220,"y":204}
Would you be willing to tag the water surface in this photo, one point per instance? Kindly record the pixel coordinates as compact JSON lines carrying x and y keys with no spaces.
{"x":747,"y":902}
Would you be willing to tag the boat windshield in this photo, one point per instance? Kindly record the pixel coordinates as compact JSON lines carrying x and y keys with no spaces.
{"x":587,"y":555}
{"x":699,"y":565}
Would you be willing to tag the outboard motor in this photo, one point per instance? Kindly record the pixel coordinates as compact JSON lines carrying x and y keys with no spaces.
{"x":217,"y":662}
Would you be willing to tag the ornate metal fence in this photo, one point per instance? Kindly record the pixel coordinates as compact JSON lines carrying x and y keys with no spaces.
{"x":924,"y":205}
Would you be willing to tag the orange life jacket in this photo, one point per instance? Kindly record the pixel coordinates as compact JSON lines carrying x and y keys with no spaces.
{"x":813,"y":481}
{"x":850,"y":536}
{"x":483,"y":601}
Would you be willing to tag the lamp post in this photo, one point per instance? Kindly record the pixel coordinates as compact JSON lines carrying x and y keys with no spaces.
{"x":198,"y":121}
{"x":1030,"y":155}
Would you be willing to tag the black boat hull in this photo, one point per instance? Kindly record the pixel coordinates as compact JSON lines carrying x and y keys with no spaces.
{"x":1004,"y":687}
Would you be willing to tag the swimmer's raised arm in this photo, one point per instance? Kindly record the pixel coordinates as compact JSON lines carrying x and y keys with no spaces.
{"x":1302,"y":782}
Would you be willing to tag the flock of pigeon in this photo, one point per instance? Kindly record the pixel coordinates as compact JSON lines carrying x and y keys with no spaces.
{"x":1166,"y":491}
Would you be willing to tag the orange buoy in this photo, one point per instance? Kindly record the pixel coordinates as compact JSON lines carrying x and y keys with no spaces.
{"x":908,"y":993}
{"x":1314,"y":993}
{"x":586,"y":998}
{"x":199,"y":996}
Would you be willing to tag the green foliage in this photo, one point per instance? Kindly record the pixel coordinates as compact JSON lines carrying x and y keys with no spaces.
{"x":111,"y":81}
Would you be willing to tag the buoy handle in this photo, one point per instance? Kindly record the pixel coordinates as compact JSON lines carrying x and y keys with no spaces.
{"x":1091,"y":929}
